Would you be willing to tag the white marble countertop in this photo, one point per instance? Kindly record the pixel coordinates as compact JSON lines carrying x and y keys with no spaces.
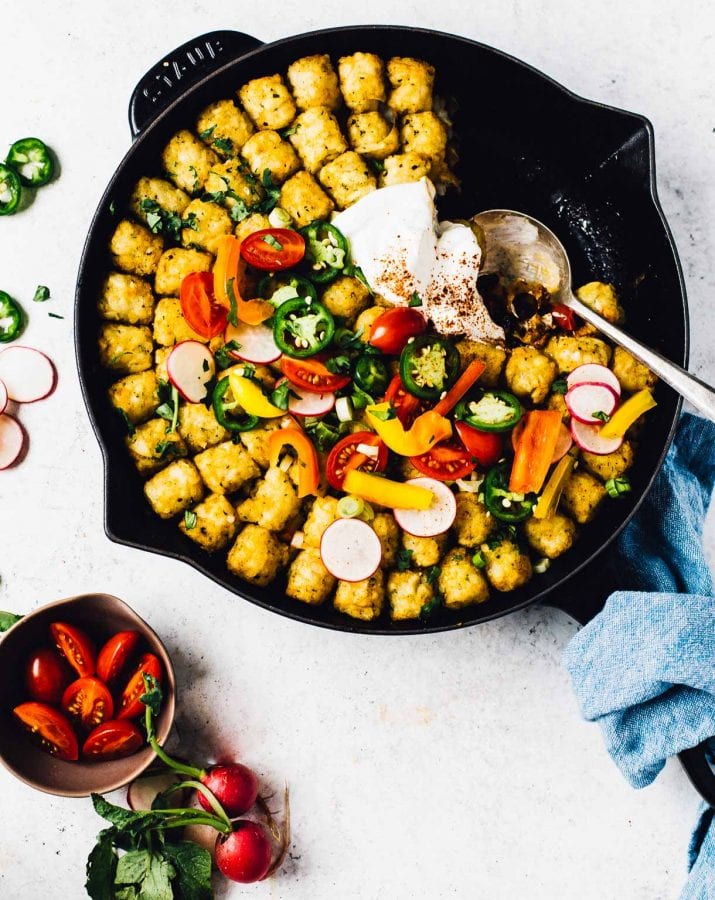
{"x":446,"y":766}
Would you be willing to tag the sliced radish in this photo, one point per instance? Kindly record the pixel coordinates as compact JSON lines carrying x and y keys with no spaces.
{"x":3,"y":397}
{"x":564,"y":441}
{"x":588,"y":438}
{"x":435,"y":520}
{"x":350,"y":550}
{"x":27,"y":373}
{"x":255,"y":342}
{"x":306,"y":403}
{"x":584,"y":400}
{"x":593,"y":373}
{"x":12,"y":440}
{"x":142,"y":792}
{"x":190,"y":366}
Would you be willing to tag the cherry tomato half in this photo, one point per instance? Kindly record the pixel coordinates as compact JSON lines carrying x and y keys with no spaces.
{"x":114,"y":655}
{"x":445,"y":462}
{"x":130,"y":706}
{"x":47,"y":675}
{"x":199,"y":307}
{"x":391,"y":331}
{"x":564,"y":317}
{"x":87,"y":702}
{"x":49,"y":728}
{"x":487,"y":447}
{"x":406,"y":405}
{"x":345,"y":456}
{"x":272,"y":249}
{"x":75,"y":646}
{"x":110,"y":740}
{"x":312,"y":375}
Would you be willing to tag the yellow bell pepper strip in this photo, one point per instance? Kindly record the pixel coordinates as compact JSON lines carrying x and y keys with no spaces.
{"x":535,"y":451}
{"x":427,"y":430}
{"x":385,"y":492}
{"x":308,"y":468}
{"x":460,"y":387}
{"x":550,"y":496}
{"x":627,"y":413}
{"x":230,"y":278}
{"x":251,"y":398}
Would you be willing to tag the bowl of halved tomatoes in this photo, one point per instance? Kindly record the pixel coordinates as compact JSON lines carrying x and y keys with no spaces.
{"x":72,"y":677}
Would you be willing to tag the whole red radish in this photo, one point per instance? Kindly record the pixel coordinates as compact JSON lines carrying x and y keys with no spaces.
{"x":245,"y":854}
{"x":235,"y":787}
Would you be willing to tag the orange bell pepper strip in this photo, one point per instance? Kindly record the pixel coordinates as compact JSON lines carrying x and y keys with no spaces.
{"x":550,"y":496}
{"x":535,"y":451}
{"x":309,"y":470}
{"x":385,"y":492}
{"x":229,"y":278}
{"x":460,"y":387}
{"x":427,"y":430}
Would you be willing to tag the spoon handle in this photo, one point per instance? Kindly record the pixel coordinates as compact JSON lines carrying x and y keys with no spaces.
{"x":701,"y":395}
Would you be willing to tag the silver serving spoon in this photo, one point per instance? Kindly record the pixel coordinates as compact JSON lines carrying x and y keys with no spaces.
{"x":521,"y":246}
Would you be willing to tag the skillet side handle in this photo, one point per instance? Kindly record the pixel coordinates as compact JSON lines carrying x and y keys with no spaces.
{"x":181,"y":69}
{"x":699,"y":771}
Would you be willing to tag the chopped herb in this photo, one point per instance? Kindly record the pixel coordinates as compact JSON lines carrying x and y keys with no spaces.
{"x":169,"y":407}
{"x":112,"y":208}
{"x":206,"y":135}
{"x":165,"y":449}
{"x":349,"y":340}
{"x":377,"y":165}
{"x":273,"y":193}
{"x":559,"y":386}
{"x":225,"y":145}
{"x":506,"y":533}
{"x":189,"y":519}
{"x":233,"y":311}
{"x":603,"y":416}
{"x":432,"y":574}
{"x":324,"y":436}
{"x":197,"y":183}
{"x":430,"y":606}
{"x":415,"y":300}
{"x":161,"y":221}
{"x":287,"y":132}
{"x":403,"y":560}
{"x":272,"y":242}
{"x":55,"y":316}
{"x":191,"y":222}
{"x":127,"y":421}
{"x":281,"y":395}
{"x":338,"y":365}
{"x":41,"y":294}
{"x":238,"y":211}
{"x":384,"y":415}
{"x":214,"y":197}
{"x":360,"y":398}
{"x":478,"y":560}
{"x":357,"y":272}
{"x":616,"y":487}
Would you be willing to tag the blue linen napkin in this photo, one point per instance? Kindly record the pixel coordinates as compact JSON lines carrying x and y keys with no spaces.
{"x":644,"y":668}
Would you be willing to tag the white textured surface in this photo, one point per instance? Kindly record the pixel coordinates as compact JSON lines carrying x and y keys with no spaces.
{"x":448,"y":766}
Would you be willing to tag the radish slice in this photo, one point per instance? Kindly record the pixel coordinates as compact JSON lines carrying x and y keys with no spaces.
{"x":12,"y":440}
{"x":3,"y":397}
{"x":27,"y":373}
{"x":435,"y":520}
{"x":350,"y":550}
{"x":255,"y":342}
{"x":190,"y":366}
{"x":306,"y":403}
{"x":564,"y":441}
{"x":142,"y":792}
{"x":586,"y":399}
{"x":593,"y":373}
{"x":589,"y":439}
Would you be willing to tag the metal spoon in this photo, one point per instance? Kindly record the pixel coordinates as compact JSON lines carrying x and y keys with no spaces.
{"x":521,"y":246}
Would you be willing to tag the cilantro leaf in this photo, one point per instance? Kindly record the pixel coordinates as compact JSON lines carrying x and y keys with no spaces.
{"x":165,"y":449}
{"x":238,"y":211}
{"x":223,"y":354}
{"x":127,"y":421}
{"x":430,"y":606}
{"x":225,"y":145}
{"x":403,"y":560}
{"x":280,"y":396}
{"x":559,"y":387}
{"x":206,"y":135}
{"x":338,"y":365}
{"x":415,"y":300}
{"x":349,"y":340}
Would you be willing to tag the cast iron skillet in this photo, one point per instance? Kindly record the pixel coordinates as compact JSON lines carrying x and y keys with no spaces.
{"x":525,"y":143}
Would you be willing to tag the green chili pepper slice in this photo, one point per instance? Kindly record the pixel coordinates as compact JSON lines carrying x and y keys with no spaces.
{"x":302,"y":328}
{"x":371,"y":374}
{"x":32,"y":161}
{"x":502,"y":503}
{"x":10,"y":190}
{"x":429,"y":365}
{"x":491,"y":411}
{"x":326,"y":251}
{"x":229,"y":413}
{"x":279,"y":288}
{"x":10,"y":318}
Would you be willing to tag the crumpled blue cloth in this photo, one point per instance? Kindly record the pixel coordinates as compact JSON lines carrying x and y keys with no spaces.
{"x":644,"y":668}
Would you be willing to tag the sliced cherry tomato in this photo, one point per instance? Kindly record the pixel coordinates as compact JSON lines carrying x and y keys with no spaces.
{"x":564,"y":441}
{"x":445,"y":462}
{"x":49,"y":728}
{"x":75,"y":646}
{"x":391,"y":331}
{"x":87,"y":702}
{"x":406,"y":405}
{"x":130,"y":706}
{"x":110,"y":740}
{"x":487,"y":447}
{"x":47,"y":675}
{"x":199,"y":307}
{"x":312,"y":375}
{"x":564,"y":317}
{"x":345,"y":456}
{"x":115,"y":653}
{"x":272,"y":249}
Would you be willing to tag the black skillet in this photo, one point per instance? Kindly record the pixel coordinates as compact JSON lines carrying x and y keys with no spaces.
{"x":526,"y":143}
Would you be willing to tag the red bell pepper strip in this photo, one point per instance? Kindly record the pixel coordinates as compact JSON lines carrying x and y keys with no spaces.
{"x":535,"y":451}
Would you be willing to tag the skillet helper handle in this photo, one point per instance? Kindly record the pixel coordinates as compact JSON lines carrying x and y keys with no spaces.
{"x":181,"y":69}
{"x":701,"y":395}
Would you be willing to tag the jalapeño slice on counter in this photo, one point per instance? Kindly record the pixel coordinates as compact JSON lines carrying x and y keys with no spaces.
{"x":502,"y":503}
{"x":32,"y":161}
{"x":326,"y":251}
{"x":10,"y":318}
{"x":492,"y":411}
{"x":10,"y":190}
{"x":228,"y":413}
{"x":302,"y":327}
{"x":429,"y":365}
